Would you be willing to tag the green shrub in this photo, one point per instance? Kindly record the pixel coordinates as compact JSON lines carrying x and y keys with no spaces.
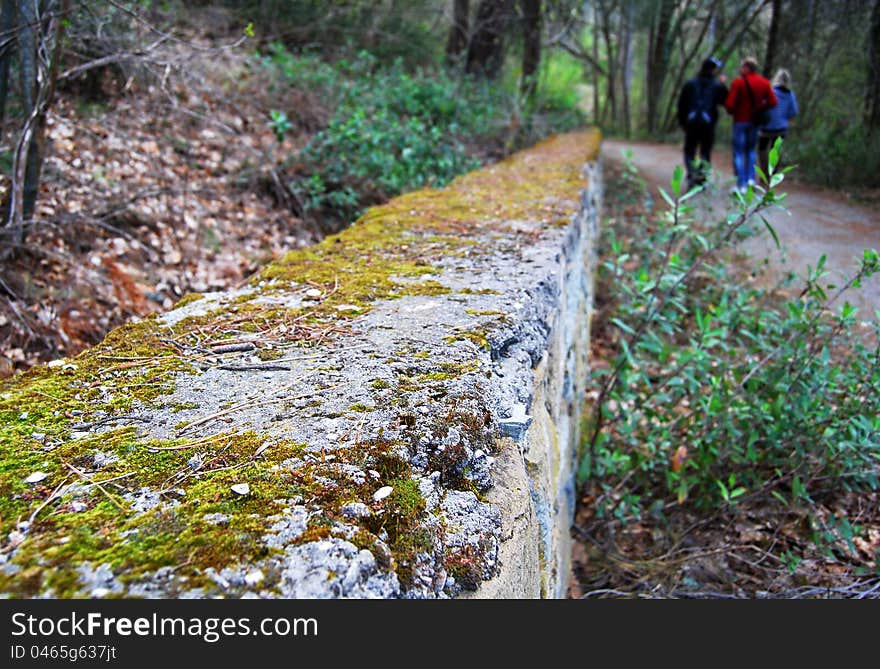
{"x":722,"y":391}
{"x":392,"y":131}
{"x":407,"y":30}
{"x":835,"y":156}
{"x":305,"y":71}
{"x":562,"y":76}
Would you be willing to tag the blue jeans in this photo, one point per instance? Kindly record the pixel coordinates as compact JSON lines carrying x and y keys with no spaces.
{"x":745,"y":139}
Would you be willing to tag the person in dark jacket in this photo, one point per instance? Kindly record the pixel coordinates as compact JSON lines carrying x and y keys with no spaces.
{"x":697,"y":115}
{"x":749,"y":94}
{"x":777,"y":127}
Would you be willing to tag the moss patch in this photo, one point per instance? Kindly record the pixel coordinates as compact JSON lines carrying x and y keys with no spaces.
{"x":83,"y":523}
{"x":49,"y":415}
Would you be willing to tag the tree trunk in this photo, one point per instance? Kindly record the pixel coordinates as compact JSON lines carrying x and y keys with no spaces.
{"x":627,"y":24}
{"x":40,"y":54}
{"x":7,"y":26}
{"x":658,"y":61}
{"x":486,"y":50}
{"x":27,"y":51}
{"x":772,"y":37}
{"x":610,"y":107}
{"x":29,"y":27}
{"x":595,"y":40}
{"x":531,"y":59}
{"x":872,"y":97}
{"x":456,"y":46}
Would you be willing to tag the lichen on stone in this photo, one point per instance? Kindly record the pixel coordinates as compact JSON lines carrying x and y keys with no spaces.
{"x":154,"y":465}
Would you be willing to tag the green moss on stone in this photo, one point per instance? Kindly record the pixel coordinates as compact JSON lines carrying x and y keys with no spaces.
{"x":189,"y":299}
{"x":393,"y":251}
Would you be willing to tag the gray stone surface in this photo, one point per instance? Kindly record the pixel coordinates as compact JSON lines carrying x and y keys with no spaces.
{"x":488,"y":433}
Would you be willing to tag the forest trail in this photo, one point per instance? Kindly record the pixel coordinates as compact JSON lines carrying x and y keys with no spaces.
{"x":816,"y":221}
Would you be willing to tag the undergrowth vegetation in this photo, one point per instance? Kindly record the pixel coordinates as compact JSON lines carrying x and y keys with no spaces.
{"x":393,"y":130}
{"x":837,"y":154}
{"x":720,"y":393}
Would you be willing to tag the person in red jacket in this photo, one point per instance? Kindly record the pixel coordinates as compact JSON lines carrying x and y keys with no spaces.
{"x":750,"y":93}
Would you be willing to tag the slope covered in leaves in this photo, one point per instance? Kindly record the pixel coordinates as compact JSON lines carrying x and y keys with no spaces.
{"x":150,"y":193}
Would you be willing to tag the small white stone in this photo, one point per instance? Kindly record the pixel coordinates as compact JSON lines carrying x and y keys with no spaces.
{"x":376,"y":475}
{"x":240,"y":488}
{"x":356,"y":510}
{"x":254,"y":577}
{"x":78,"y":507}
{"x":36,"y":477}
{"x":313,"y":294}
{"x":15,"y":538}
{"x":452,"y":438}
{"x":23,"y":416}
{"x":382,"y":493}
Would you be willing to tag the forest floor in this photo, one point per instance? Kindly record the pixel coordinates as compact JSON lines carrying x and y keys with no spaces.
{"x":735,"y":553}
{"x":151,"y":189}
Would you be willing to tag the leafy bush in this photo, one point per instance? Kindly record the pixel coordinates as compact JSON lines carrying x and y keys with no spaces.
{"x":392,"y":131}
{"x":561,"y":77}
{"x":304,"y":71}
{"x":833,"y":156}
{"x":402,"y":30}
{"x":721,"y":391}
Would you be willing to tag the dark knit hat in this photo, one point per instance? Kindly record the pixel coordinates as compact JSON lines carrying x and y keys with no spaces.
{"x":710,"y":65}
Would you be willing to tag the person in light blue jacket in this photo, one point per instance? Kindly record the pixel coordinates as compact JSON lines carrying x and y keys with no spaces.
{"x":780,"y":115}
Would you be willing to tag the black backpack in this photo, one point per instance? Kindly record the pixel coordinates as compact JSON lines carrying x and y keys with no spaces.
{"x":702,"y":102}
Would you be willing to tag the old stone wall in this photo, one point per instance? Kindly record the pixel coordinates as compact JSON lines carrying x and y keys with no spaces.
{"x":391,"y":413}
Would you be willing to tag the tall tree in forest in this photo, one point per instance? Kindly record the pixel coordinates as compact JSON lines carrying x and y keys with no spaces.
{"x":531,"y":58}
{"x":456,"y":45}
{"x":606,"y":18}
{"x":39,"y":28}
{"x":772,"y":37}
{"x":659,"y":46}
{"x":627,"y":25}
{"x":7,"y":43}
{"x":486,"y":49}
{"x":872,"y":95}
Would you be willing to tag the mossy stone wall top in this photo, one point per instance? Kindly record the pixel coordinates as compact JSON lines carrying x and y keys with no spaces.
{"x":329,"y":429}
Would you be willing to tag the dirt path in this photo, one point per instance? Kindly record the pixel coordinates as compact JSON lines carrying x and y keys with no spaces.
{"x":816,"y":221}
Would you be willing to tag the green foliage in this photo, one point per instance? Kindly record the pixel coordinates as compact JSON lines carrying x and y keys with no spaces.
{"x":306,"y":71}
{"x":722,"y":391}
{"x":561,"y":76}
{"x":833,"y":156}
{"x":280,"y":124}
{"x":338,"y":29}
{"x":392,"y":131}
